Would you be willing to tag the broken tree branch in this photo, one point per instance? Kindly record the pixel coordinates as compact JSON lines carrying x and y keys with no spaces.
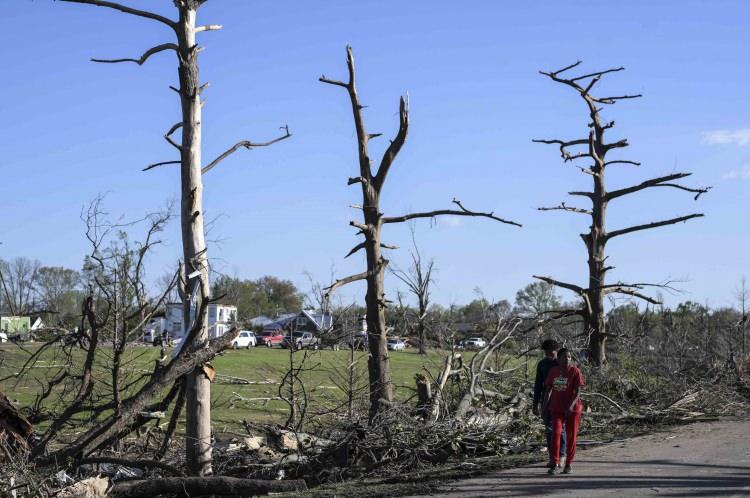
{"x":563,"y":207}
{"x":443,"y":212}
{"x":168,"y":135}
{"x":208,"y":27}
{"x":247,"y":145}
{"x":143,"y":58}
{"x":575,"y":288}
{"x":156,"y":165}
{"x":362,"y":245}
{"x":631,"y":292}
{"x":662,"y":181}
{"x":647,"y":226}
{"x":359,"y":124}
{"x":127,"y":10}
{"x":346,"y":280}
{"x":613,"y":100}
{"x":622,"y":161}
{"x":395,"y":146}
{"x":564,"y":145}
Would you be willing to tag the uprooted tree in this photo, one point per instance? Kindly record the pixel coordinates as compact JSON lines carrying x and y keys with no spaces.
{"x":372,"y":181}
{"x":595,"y":148}
{"x":195,"y":280}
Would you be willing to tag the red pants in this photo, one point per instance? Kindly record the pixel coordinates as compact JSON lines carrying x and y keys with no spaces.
{"x":572,"y":423}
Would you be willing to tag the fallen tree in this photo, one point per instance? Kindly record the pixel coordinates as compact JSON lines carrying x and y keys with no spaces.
{"x":188,"y":361}
{"x":204,"y":485}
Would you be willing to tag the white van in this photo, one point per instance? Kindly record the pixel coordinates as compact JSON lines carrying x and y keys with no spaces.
{"x":246,"y":339}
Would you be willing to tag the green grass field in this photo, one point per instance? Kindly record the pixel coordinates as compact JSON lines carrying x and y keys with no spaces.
{"x":264,"y":368}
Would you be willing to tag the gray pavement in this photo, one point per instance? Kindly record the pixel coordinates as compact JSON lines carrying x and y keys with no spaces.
{"x":704,"y":459}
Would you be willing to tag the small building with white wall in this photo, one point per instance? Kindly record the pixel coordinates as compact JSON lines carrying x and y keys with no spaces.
{"x":221,"y":317}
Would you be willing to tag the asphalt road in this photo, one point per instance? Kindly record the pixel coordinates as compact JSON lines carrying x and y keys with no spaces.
{"x":704,"y":459}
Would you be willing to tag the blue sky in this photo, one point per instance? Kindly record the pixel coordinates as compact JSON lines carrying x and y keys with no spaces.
{"x":72,"y":129}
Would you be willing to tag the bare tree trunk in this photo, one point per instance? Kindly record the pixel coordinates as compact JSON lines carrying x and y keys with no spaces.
{"x":378,"y":362}
{"x":198,"y":394}
{"x":198,"y":386}
{"x":418,"y":279}
{"x":596,"y":149}
{"x":595,"y":322}
{"x":381,"y":390}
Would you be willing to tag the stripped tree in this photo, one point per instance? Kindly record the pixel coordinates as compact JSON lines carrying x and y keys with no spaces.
{"x":595,"y":148}
{"x":381,"y":389}
{"x":186,"y":48}
{"x":418,"y":279}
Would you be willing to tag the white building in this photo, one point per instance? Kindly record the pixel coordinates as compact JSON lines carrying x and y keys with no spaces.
{"x":221,"y":317}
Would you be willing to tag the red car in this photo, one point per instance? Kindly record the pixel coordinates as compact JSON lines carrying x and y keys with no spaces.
{"x":270,"y":338}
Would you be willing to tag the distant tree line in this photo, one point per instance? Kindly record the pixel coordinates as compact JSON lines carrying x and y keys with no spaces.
{"x":55,"y":293}
{"x":682,"y":335}
{"x":268,"y":296}
{"x":677,"y":338}
{"x":29,"y":288}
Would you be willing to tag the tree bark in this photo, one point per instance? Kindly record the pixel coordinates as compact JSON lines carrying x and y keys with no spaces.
{"x":198,"y":386}
{"x":595,"y":321}
{"x":378,"y":362}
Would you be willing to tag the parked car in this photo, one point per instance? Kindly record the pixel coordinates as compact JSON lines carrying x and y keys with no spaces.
{"x":394,"y":344}
{"x":153,"y":331}
{"x":245,"y":339}
{"x":23,"y":337}
{"x":301,"y":340}
{"x":158,"y":339}
{"x":458,"y":344}
{"x":358,"y":340}
{"x":3,"y":337}
{"x":270,"y":338}
{"x":152,"y":336}
{"x":475,"y":343}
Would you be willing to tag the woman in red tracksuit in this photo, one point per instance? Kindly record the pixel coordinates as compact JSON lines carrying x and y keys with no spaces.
{"x":563,"y":388}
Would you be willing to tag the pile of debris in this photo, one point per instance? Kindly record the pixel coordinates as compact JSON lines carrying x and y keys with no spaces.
{"x":269,"y":452}
{"x":397,"y":440}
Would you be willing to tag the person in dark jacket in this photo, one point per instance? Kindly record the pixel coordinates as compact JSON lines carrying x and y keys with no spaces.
{"x":549,"y":346}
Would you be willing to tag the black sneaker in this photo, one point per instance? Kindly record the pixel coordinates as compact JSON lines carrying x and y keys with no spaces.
{"x":550,"y":465}
{"x":554,"y":470}
{"x":567,"y":470}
